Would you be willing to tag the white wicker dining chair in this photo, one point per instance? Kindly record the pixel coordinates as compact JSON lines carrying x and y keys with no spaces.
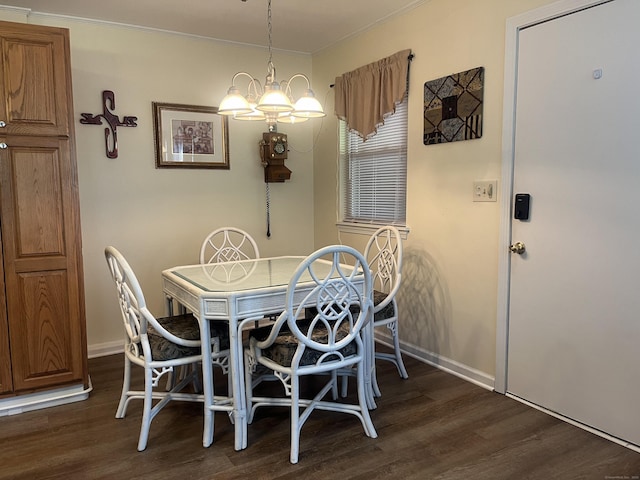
{"x":384,"y":256}
{"x":227,"y":244}
{"x":330,"y":341}
{"x":156,"y":344}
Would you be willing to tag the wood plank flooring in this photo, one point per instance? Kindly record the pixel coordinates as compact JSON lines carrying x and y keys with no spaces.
{"x":431,"y":426}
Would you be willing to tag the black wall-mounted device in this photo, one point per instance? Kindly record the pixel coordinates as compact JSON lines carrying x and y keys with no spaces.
{"x":521,"y":206}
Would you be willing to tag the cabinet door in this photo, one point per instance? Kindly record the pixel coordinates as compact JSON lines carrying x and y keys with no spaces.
{"x":42,"y":262}
{"x":34,"y":80}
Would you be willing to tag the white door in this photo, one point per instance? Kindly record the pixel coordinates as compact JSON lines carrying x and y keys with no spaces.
{"x":574,"y":309}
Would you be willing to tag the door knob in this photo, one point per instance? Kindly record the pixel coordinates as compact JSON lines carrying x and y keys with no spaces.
{"x":3,"y":145}
{"x":517,"y":247}
{"x":2,"y":124}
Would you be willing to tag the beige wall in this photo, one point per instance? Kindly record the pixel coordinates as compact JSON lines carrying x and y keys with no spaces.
{"x":159,"y":217}
{"x":448,"y":299}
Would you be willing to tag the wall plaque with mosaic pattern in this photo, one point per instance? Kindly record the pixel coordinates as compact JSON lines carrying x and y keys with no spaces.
{"x":453,"y":107}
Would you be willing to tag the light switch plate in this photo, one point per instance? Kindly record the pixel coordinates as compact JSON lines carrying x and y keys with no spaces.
{"x":485,"y":191}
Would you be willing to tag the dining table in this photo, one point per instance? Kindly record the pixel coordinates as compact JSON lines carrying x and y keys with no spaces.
{"x":241,"y":293}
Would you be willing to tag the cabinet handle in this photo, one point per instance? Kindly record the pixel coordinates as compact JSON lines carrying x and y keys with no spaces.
{"x":2,"y":124}
{"x":3,"y":145}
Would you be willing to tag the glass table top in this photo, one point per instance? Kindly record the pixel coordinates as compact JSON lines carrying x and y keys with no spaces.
{"x":248,"y":274}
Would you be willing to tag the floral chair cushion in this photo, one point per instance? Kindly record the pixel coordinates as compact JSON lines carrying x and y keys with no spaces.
{"x":284,"y":347}
{"x":183,"y":326}
{"x":378,"y":297}
{"x":387,"y":312}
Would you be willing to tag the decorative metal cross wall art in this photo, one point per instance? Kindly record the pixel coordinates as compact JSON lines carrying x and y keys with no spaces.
{"x":109,"y":104}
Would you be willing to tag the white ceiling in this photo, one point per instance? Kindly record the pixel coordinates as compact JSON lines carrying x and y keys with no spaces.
{"x":298,"y":25}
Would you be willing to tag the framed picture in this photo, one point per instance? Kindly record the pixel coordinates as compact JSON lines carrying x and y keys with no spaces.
{"x":453,"y":107}
{"x":190,"y":136}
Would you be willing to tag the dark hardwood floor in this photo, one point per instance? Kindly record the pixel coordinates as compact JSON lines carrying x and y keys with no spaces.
{"x":431,"y":426}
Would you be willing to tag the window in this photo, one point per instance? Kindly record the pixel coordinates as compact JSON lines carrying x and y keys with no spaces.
{"x":374,"y":173}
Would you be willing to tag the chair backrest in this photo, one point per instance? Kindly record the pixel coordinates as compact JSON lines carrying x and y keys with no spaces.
{"x":136,"y":316}
{"x":335,"y":290}
{"x":383,"y":254}
{"x":228,"y":244}
{"x":130,"y":297}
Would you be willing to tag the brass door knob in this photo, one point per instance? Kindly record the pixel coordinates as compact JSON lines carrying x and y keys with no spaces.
{"x":517,"y":247}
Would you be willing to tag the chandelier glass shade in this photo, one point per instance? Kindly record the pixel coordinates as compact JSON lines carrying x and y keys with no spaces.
{"x":272,"y":103}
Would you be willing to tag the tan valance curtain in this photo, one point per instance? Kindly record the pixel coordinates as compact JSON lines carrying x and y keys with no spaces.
{"x":366,"y":95}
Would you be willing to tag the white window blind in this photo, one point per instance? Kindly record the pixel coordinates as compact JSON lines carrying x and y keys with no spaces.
{"x":374,"y":173}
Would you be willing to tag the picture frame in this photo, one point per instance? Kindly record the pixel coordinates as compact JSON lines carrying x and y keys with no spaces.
{"x":190,"y":136}
{"x":453,"y":107}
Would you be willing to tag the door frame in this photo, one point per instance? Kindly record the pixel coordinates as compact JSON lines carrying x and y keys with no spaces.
{"x":512,"y":32}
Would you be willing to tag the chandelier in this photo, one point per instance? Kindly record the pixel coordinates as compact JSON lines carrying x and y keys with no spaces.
{"x":274,"y":102}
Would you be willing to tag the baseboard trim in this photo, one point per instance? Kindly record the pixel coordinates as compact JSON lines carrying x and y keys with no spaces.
{"x":45,"y":399}
{"x":104,"y":349}
{"x":465,"y":372}
{"x":445,"y":364}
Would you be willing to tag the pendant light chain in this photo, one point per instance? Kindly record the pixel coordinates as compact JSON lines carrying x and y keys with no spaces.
{"x":269,"y":28}
{"x":270,"y":31}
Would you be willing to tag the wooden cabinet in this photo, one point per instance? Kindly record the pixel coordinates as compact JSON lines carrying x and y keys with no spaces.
{"x":42,"y":316}
{"x":36,"y":83}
